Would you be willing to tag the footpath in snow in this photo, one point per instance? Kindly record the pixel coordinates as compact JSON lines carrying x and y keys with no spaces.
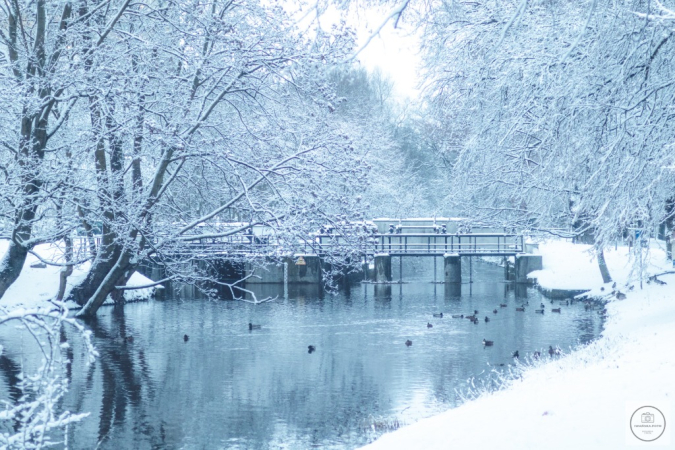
{"x":39,"y":284}
{"x":585,"y":399}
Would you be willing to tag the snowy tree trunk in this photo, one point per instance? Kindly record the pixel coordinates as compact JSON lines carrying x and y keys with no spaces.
{"x":106,"y":286}
{"x":12,"y":263}
{"x":602,"y":264}
{"x":66,"y":271}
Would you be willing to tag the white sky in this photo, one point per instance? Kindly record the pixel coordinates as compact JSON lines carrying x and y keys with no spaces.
{"x":394,"y":51}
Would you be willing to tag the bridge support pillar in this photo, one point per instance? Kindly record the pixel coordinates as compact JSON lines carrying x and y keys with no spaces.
{"x":382,"y":268}
{"x":526,"y":264}
{"x":453,"y":269}
{"x":309,"y":272}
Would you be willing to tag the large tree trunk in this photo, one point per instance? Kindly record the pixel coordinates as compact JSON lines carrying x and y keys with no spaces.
{"x":12,"y":264}
{"x":107,"y":285}
{"x":105,"y":260}
{"x":604,"y":271}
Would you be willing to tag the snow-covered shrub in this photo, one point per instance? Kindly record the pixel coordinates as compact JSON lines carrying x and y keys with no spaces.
{"x":34,"y":419}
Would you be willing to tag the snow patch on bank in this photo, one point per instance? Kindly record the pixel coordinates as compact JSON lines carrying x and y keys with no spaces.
{"x":571,"y":266}
{"x":583,"y":399}
{"x":37,"y":285}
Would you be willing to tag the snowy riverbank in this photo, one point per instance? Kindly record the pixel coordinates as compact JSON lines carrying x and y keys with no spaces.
{"x":584,"y":399}
{"x":40,"y":283}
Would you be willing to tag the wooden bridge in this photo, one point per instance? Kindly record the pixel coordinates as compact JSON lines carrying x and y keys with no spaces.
{"x":376,"y":241}
{"x":377,"y":250}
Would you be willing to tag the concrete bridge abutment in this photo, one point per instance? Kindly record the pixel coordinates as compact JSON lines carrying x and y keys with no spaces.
{"x":303,"y":269}
{"x":382,"y":268}
{"x":526,"y":264}
{"x":453,"y":268}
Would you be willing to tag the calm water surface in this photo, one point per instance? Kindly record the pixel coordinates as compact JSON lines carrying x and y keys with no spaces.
{"x":228,"y":387}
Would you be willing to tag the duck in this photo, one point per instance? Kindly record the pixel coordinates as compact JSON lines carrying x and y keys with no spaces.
{"x":516,"y":354}
{"x":408,"y":343}
{"x":475,"y":321}
{"x":458,"y":316}
{"x":553,"y":351}
{"x":520,"y":308}
{"x":311,"y":349}
{"x":542,"y":306}
{"x":487,"y":319}
{"x":555,"y":310}
{"x":475,"y":311}
{"x":253,"y":327}
{"x":429,"y":325}
{"x":494,"y":311}
{"x":536,"y":355}
{"x":439,"y":315}
{"x":488,"y":343}
{"x":567,"y":303}
{"x":620,"y":296}
{"x":503,"y":305}
{"x":186,"y":338}
{"x":539,"y":311}
{"x":473,"y":317}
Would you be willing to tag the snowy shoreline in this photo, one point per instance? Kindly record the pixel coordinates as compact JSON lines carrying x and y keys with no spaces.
{"x":583,"y":399}
{"x":38,"y":284}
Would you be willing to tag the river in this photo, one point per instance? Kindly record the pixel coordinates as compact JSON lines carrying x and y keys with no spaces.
{"x":228,"y":387}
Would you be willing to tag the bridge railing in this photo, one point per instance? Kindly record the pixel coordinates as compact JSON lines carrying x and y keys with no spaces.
{"x":366,"y":244}
{"x":433,"y":244}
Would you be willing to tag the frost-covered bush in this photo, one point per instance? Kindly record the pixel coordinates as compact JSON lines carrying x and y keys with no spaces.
{"x":33,"y":420}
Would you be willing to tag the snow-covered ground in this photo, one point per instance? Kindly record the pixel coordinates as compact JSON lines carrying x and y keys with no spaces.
{"x":573,"y":267}
{"x":36,"y":285}
{"x":581,"y":400}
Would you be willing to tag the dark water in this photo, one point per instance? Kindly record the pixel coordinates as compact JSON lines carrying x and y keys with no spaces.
{"x":228,"y":387}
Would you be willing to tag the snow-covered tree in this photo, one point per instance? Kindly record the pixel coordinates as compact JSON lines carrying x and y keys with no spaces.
{"x":561,"y":112}
{"x":169,"y":118}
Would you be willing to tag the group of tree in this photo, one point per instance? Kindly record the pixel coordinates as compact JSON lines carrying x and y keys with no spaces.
{"x":556,"y":115}
{"x":154,"y":123}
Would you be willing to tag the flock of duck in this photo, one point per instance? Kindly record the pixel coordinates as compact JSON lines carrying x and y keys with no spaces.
{"x":522,"y":308}
{"x":473,"y":318}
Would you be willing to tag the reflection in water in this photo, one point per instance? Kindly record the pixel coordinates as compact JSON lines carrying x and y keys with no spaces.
{"x":228,"y":387}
